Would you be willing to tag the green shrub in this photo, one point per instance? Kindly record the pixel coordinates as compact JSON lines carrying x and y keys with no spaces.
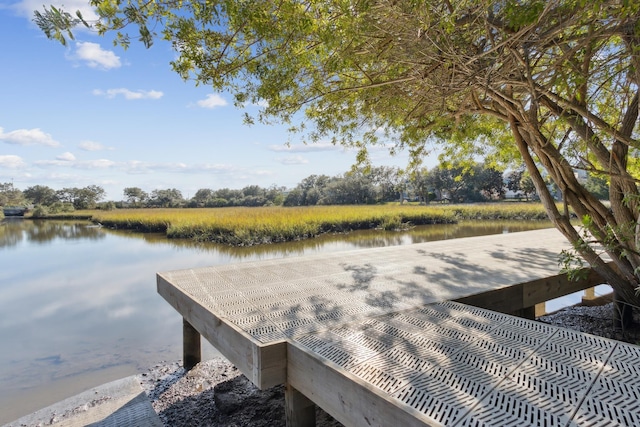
{"x":40,"y":212}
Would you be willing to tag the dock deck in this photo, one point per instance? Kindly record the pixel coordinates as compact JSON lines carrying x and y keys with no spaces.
{"x":293,"y":321}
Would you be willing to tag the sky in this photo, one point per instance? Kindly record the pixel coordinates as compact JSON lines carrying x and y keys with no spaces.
{"x":94,"y":114}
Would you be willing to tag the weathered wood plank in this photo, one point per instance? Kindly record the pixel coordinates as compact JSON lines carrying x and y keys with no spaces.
{"x":299,"y":410}
{"x":264,"y":365}
{"x":346,"y":397}
{"x":523,"y":296}
{"x":191,"y":348}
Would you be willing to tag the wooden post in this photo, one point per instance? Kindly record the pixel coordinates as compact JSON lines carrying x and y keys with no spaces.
{"x":191,"y":351}
{"x":526,"y":312}
{"x":541,"y":309}
{"x":300,"y":411}
{"x":589,"y":294}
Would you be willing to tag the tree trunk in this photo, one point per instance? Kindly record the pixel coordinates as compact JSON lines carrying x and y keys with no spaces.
{"x":624,"y":285}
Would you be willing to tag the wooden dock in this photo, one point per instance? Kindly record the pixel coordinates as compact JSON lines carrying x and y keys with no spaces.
{"x":368,"y":336}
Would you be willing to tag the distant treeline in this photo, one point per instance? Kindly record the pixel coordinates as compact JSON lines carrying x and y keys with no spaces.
{"x":476,"y":183}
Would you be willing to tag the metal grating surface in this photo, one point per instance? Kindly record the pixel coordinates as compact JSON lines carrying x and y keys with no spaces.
{"x":375,"y":314}
{"x":301,"y":295}
{"x":473,"y":367}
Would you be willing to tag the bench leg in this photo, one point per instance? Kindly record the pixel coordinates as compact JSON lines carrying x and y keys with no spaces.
{"x":191,"y":353}
{"x":300,"y":411}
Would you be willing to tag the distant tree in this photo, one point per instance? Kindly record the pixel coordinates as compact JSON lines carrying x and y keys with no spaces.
{"x":353,"y":188}
{"x":446,"y":183}
{"x":167,"y":198}
{"x":231,"y":196}
{"x":310,"y":191}
{"x":598,"y":186}
{"x":10,"y":196}
{"x":419,"y":180}
{"x":275,"y":195}
{"x":388,"y":182}
{"x":294,"y":197}
{"x":253,"y":190}
{"x":201,"y":198}
{"x":87,"y":197}
{"x":513,"y":181}
{"x":41,"y":195}
{"x":527,"y":186}
{"x":136,"y":196}
{"x":217,"y":202}
{"x":253,"y":195}
{"x":66,"y":195}
{"x":489,"y":182}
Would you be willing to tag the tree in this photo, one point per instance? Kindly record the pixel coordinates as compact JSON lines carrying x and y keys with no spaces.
{"x":598,"y":186}
{"x":167,"y":198}
{"x":527,"y":186}
{"x":555,"y":83}
{"x":488,"y":182}
{"x":354,"y":188}
{"x":10,"y":196}
{"x":444,"y":183}
{"x":388,"y":181}
{"x":81,"y":198}
{"x":41,"y":195}
{"x":136,"y":196}
{"x":513,"y":180}
{"x":310,"y":191}
{"x":420,"y":182}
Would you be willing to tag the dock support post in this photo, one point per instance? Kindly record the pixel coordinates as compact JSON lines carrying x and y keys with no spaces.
{"x":526,"y":312}
{"x":191,"y":350}
{"x":300,"y":411}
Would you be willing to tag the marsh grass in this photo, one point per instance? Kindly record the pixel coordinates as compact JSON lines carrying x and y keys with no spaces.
{"x":251,"y":226}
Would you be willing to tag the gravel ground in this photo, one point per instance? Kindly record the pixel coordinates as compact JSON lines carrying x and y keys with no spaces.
{"x":216,"y":394}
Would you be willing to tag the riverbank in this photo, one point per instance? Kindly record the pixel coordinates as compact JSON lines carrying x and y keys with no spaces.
{"x":243,"y":226}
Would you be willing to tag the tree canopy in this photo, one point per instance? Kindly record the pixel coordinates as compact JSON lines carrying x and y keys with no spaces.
{"x":553,"y":84}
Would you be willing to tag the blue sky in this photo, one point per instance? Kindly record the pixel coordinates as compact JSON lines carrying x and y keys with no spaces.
{"x":94,"y":114}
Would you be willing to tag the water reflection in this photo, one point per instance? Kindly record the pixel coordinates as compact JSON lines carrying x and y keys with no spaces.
{"x":79,"y":307}
{"x":14,"y":231}
{"x":359,"y":239}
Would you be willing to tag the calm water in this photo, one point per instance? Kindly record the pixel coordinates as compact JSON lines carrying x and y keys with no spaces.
{"x":78,"y":304}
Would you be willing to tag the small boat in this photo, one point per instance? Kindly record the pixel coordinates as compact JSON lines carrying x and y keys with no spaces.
{"x":14,"y":211}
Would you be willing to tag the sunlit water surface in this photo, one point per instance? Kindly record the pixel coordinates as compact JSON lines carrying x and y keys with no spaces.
{"x":78,"y":303}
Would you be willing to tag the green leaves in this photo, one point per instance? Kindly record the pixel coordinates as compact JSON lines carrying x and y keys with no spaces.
{"x":57,"y":24}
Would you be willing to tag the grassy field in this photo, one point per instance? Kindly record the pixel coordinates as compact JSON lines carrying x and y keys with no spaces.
{"x":250,"y":226}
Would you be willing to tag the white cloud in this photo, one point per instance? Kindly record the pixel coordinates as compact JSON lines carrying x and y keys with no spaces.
{"x":28,"y":137}
{"x":95,"y":56}
{"x":129,"y":94}
{"x":91,"y":146}
{"x":213,"y":100}
{"x":96,"y":164}
{"x":71,"y":162}
{"x":293,"y":160}
{"x":305,"y":148}
{"x":26,"y":7}
{"x":140,"y":167}
{"x":263,"y":172}
{"x":11,"y":162}
{"x":66,"y":157}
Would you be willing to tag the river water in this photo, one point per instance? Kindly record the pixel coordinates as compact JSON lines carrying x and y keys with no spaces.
{"x":78,"y":303}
